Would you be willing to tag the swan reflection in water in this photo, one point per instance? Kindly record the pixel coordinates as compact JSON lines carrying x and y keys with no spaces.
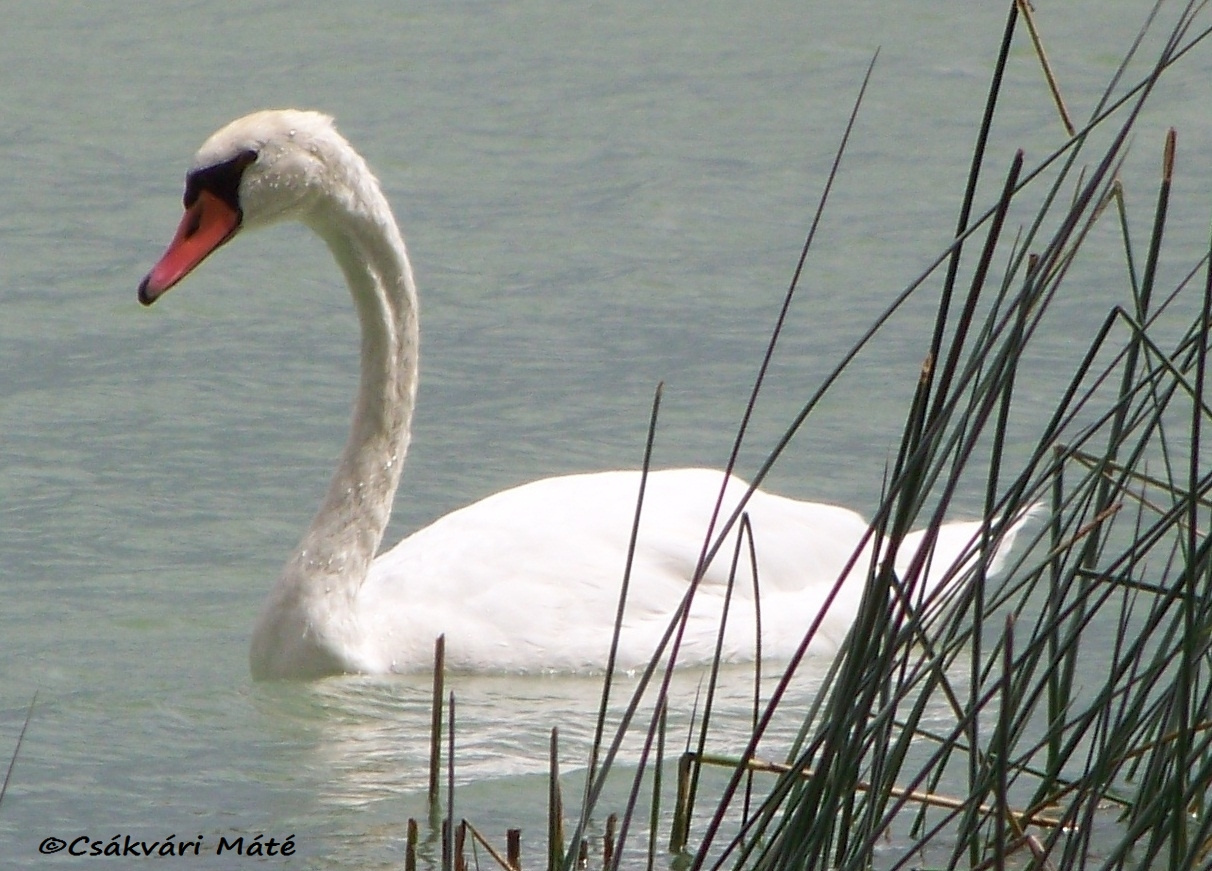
{"x":365,"y":738}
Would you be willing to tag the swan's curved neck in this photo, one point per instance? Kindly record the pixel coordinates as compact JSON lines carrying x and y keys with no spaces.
{"x":335,"y":554}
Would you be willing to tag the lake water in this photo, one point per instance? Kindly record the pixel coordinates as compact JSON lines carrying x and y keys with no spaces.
{"x":597,"y":198}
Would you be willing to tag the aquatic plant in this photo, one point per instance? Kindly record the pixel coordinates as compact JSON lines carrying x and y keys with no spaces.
{"x":1027,"y":764}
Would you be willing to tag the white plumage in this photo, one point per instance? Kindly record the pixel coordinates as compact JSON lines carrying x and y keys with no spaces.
{"x":526,"y":579}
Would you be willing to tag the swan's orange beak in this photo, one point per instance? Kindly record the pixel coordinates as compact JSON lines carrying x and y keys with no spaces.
{"x":207,"y":224}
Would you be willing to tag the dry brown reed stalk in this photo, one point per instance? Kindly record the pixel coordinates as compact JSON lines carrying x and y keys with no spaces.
{"x":1020,"y":818}
{"x":435,"y":728}
{"x":555,"y":807}
{"x":513,"y":848}
{"x":410,"y":846}
{"x":1025,"y":9}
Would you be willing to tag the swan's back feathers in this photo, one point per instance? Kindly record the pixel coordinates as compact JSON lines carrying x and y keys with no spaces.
{"x":957,"y":549}
{"x":545,"y":562}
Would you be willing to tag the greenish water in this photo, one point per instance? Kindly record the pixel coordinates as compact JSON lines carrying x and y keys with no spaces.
{"x":596,"y":199}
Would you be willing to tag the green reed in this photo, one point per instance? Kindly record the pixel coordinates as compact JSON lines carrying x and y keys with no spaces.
{"x":1047,"y":772}
{"x":1039,"y":764}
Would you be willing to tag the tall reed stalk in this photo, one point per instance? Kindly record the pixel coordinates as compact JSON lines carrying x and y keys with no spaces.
{"x":1042,"y":765}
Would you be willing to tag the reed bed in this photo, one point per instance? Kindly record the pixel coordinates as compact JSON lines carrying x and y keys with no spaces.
{"x":1033,"y":766}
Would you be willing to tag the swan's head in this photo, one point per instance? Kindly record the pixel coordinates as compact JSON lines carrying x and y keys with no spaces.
{"x":265,"y":167}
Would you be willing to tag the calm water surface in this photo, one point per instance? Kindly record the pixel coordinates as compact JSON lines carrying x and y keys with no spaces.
{"x":596,"y":200}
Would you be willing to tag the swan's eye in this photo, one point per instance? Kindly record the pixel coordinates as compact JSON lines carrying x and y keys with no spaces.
{"x":221,"y":179}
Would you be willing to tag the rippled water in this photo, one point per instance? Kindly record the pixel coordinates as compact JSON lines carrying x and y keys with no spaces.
{"x":596,"y":199}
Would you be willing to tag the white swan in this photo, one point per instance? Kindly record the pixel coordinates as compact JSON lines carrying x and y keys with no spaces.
{"x":527,"y":579}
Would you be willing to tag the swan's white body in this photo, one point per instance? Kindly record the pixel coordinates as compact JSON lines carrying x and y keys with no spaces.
{"x":527,"y":579}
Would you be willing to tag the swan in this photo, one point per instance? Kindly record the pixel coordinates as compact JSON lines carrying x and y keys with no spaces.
{"x":527,"y":579}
